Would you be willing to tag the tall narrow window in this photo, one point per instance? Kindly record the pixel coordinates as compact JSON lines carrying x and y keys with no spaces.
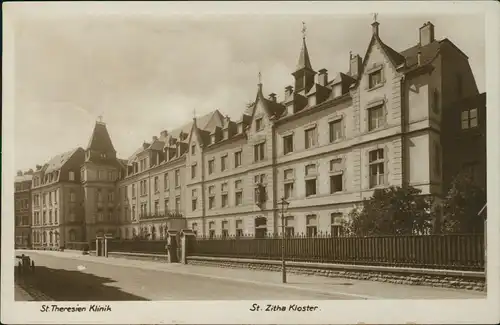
{"x":376,"y":117}
{"x":157,"y":186}
{"x":223,"y":163}
{"x":211,"y":166}
{"x":225,"y":229}
{"x":376,"y":166}
{"x":237,"y":159}
{"x":259,"y":152}
{"x":310,"y":137}
{"x":166,"y":184}
{"x":336,"y":176}
{"x":335,"y":130}
{"x":375,"y":79}
{"x":193,"y":170}
{"x":336,"y":224}
{"x":311,"y":225}
{"x":288,"y":144}
{"x":258,"y":124}
{"x":177,"y":178}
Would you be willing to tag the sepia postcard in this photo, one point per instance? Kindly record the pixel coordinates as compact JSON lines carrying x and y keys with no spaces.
{"x":250,"y":162}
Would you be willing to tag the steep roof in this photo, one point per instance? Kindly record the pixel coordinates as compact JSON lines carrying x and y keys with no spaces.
{"x":304,"y":60}
{"x":58,"y":161}
{"x":100,"y":139}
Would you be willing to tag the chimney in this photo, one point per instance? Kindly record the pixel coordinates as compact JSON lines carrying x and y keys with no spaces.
{"x":355,"y":66}
{"x":155,"y":138}
{"x":272,"y":97}
{"x":426,"y":34}
{"x":19,"y":173}
{"x":375,"y":28}
{"x":145,"y":145}
{"x":288,"y":91}
{"x":164,"y":133}
{"x":419,"y":58}
{"x":323,"y":77}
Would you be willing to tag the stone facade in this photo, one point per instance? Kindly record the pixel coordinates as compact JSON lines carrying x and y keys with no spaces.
{"x":324,"y":148}
{"x":22,"y":206}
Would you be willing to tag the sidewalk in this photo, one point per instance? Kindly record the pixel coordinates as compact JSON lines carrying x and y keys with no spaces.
{"x":21,"y":295}
{"x":347,"y":287}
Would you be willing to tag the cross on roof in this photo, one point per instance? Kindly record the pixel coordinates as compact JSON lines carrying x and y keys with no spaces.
{"x":375,"y":17}
{"x":99,"y":118}
{"x":304,"y":29}
{"x":260,"y":77}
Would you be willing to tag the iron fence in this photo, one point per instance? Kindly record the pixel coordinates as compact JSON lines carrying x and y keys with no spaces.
{"x":137,"y":246}
{"x":449,"y":251}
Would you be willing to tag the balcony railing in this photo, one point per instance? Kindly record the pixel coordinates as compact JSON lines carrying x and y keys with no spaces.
{"x":168,"y":214}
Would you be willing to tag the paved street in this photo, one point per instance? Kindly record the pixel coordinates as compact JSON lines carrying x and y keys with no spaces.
{"x":72,"y":276}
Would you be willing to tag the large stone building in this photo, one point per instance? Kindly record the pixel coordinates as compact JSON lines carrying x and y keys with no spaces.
{"x":392,"y":119}
{"x":22,"y":208}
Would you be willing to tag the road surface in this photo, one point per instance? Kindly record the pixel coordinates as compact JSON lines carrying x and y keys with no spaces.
{"x":67,"y":276}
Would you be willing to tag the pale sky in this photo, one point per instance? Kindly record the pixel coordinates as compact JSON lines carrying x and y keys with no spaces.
{"x":144,"y":75}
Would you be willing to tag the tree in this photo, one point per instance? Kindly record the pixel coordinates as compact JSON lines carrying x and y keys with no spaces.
{"x":392,"y":211}
{"x":461,"y":206}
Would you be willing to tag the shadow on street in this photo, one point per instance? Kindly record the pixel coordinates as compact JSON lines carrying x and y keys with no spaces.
{"x":65,"y":285}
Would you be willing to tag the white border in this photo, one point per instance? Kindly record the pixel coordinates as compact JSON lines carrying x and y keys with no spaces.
{"x":237,"y":312}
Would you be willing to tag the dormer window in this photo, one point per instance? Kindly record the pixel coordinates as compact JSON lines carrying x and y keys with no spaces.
{"x":375,"y":79}
{"x":103,"y":155}
{"x":258,"y":124}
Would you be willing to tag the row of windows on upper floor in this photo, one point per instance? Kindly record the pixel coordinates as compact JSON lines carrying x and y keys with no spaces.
{"x":21,"y":204}
{"x":102,"y":175}
{"x":47,"y":198}
{"x":22,"y":186}
{"x":51,"y":178}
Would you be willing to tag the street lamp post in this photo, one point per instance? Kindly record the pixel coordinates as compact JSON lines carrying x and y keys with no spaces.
{"x":284,"y":206}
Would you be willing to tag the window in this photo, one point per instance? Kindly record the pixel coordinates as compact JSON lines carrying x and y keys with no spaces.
{"x":72,"y":196}
{"x":100,"y":174}
{"x":177,"y":178}
{"x":225,"y":229}
{"x":211,"y":166}
{"x":258,"y":124}
{"x":310,"y":187}
{"x":435,"y":101}
{"x":157,"y":187}
{"x":133,"y":190}
{"x":237,"y":184}
{"x":469,"y":119}
{"x":258,"y":152}
{"x":437,"y":159}
{"x":194,"y":203}
{"x":239,"y":228}
{"x":224,"y":200}
{"x":110,"y":176}
{"x":375,"y":117}
{"x":288,"y":190}
{"x":71,"y":176}
{"x":259,"y":179}
{"x":288,"y":144}
{"x":310,"y":138}
{"x":111,"y":196}
{"x":166,"y":204}
{"x":194,"y":227}
{"x":237,"y":159}
{"x":193,"y":149}
{"x":157,"y":207}
{"x":336,"y":177}
{"x":193,"y":170}
{"x":223,"y":187}
{"x":211,"y":229}
{"x":336,"y":224}
{"x":335,"y":130}
{"x":238,"y":198}
{"x":375,"y":79}
{"x":177,"y":204}
{"x":133,"y":213}
{"x":223,"y":161}
{"x":166,"y":185}
{"x":288,"y":174}
{"x":289,"y":226}
{"x":376,"y":165}
{"x":211,"y":198}
{"x":311,"y":225}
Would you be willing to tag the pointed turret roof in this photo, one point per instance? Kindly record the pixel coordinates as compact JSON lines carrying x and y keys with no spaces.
{"x":304,"y":60}
{"x":100,"y":139}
